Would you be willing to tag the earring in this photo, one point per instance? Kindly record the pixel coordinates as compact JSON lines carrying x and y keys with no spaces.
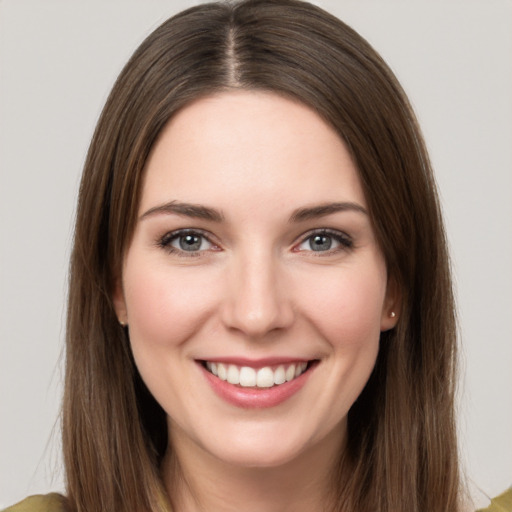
{"x":122,"y":324}
{"x":392,"y":314}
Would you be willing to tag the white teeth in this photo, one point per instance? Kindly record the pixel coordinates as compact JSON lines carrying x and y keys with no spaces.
{"x":301,"y":367}
{"x":233,"y":376}
{"x":279,"y":375}
{"x":221,"y":371}
{"x":212,"y":367}
{"x":290,"y":373}
{"x":247,"y":377}
{"x":265,"y":377}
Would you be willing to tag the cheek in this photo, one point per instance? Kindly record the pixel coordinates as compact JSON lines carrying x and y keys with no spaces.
{"x":347,"y":307}
{"x":166,"y":307}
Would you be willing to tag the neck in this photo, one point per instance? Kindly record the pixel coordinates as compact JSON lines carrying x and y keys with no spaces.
{"x":197,"y":481}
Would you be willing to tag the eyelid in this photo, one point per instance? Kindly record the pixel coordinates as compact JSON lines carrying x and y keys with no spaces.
{"x":164,"y":242}
{"x":346,"y":242}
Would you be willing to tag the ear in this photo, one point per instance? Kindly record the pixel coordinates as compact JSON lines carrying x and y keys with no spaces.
{"x":392,"y":306}
{"x":120,"y":303}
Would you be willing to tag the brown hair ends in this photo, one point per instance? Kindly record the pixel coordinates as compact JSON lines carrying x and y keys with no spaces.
{"x":401,"y":444}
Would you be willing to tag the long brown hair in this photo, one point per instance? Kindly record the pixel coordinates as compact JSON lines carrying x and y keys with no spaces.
{"x":401,"y":435}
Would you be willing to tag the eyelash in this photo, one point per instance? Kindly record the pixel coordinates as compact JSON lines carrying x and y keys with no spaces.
{"x":165,"y":242}
{"x":345,"y":241}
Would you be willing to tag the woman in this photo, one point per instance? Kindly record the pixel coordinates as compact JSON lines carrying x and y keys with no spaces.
{"x":214,"y":360}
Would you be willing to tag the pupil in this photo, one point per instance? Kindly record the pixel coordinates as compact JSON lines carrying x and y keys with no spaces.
{"x":190,"y":242}
{"x":321,"y":243}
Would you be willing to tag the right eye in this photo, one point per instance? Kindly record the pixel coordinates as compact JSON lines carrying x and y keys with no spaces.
{"x":186,"y":241}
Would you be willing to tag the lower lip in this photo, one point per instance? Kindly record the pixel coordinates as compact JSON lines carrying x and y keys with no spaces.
{"x":256,"y":398}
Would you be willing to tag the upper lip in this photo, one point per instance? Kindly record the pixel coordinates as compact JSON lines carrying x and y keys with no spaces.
{"x":257,"y":363}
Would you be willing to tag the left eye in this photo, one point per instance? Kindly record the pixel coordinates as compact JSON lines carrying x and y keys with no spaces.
{"x":323,"y":242}
{"x":191,"y":242}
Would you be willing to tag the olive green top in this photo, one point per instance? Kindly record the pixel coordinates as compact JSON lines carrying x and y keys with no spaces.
{"x":48,"y":503}
{"x":56,"y":503}
{"x":502,"y":503}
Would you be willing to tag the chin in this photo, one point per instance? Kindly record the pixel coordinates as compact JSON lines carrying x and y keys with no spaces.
{"x":248,"y":457}
{"x":267,"y":446}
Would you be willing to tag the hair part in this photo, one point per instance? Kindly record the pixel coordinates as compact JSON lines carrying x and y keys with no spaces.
{"x":401,"y":445}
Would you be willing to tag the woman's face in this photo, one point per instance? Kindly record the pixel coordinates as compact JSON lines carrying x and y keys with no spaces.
{"x":253,"y":287}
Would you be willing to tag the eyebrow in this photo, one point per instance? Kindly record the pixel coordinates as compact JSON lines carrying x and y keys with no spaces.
{"x":303,"y":214}
{"x":195,"y":211}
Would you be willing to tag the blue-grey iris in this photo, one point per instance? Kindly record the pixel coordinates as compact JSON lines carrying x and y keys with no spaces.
{"x":320,"y":243}
{"x":190,"y":242}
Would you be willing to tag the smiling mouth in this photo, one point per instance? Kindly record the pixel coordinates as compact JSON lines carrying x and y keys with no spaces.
{"x":265,"y":377}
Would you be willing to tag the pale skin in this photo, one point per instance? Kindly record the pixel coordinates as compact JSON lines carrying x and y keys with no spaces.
{"x":278,"y":260}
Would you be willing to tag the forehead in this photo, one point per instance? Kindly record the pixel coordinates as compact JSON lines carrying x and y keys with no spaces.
{"x":232,"y":145}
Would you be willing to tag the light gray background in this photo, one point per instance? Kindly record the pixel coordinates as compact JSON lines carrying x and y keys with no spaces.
{"x":58,"y":60}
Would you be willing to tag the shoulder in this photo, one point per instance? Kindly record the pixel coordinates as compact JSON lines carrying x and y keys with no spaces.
{"x":42,"y":503}
{"x":502,"y":503}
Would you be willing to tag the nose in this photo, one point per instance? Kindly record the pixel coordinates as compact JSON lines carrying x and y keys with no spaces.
{"x":257,"y":300}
